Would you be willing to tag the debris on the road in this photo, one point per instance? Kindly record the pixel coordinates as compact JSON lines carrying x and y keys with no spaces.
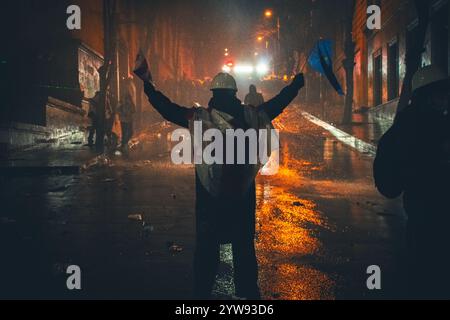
{"x":100,"y":161}
{"x":174,"y":248}
{"x":133,"y":143}
{"x":298,"y":204}
{"x":135,"y":217}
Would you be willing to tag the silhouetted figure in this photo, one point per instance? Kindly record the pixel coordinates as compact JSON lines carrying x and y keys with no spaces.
{"x":226,"y":214}
{"x":93,"y":116}
{"x":253,"y":98}
{"x":126,"y":111}
{"x":413,"y":158}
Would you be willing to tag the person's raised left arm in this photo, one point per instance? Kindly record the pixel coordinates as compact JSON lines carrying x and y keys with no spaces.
{"x":169,"y":110}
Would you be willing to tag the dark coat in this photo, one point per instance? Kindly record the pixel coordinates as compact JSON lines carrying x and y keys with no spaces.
{"x":413,"y":158}
{"x":229,"y":217}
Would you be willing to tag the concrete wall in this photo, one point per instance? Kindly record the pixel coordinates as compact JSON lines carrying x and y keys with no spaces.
{"x":64,"y":122}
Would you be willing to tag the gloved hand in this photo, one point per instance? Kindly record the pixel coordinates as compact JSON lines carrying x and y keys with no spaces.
{"x":299,"y":81}
{"x":141,"y":68}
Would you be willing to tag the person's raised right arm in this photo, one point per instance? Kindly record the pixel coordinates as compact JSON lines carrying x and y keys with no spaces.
{"x":169,"y":110}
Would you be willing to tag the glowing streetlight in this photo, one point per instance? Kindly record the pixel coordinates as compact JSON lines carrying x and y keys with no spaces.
{"x":260,"y":38}
{"x":268,"y":13}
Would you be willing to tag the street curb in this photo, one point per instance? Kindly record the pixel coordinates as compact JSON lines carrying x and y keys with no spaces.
{"x":39,"y":170}
{"x":347,"y":139}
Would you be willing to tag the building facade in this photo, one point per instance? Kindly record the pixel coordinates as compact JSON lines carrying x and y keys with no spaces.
{"x":380,"y":54}
{"x":49,"y":72}
{"x":379,"y":59}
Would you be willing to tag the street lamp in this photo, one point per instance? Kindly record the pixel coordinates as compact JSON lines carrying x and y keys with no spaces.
{"x":260,"y":38}
{"x":269,"y":14}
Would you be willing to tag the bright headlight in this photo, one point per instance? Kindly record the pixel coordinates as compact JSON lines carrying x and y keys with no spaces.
{"x":243,"y":69}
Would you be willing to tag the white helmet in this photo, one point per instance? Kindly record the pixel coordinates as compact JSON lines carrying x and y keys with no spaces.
{"x":223,"y":81}
{"x":426,"y":76}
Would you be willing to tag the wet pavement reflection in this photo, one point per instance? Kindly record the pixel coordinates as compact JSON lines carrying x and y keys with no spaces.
{"x":320,"y":222}
{"x":298,"y":216}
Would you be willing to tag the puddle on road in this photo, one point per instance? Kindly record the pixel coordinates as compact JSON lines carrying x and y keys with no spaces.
{"x":287,"y":229}
{"x":294,"y":282}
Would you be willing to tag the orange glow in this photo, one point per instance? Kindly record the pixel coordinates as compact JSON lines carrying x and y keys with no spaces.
{"x":260,"y":38}
{"x":283,"y":232}
{"x":268,"y":13}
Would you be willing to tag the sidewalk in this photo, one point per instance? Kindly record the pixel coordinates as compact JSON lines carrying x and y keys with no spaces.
{"x":52,"y":158}
{"x":362,"y":134}
{"x":62,"y":157}
{"x":344,"y":137}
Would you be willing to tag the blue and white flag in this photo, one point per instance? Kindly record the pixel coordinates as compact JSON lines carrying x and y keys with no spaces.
{"x":320,"y":60}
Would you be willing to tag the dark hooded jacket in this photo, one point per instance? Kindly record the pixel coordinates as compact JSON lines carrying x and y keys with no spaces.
{"x":413,"y":158}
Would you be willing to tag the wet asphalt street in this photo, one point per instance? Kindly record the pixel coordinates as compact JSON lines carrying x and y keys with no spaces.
{"x":129,"y":225}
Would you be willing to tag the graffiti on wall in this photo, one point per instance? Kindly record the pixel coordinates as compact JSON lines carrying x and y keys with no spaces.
{"x":88,"y":64}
